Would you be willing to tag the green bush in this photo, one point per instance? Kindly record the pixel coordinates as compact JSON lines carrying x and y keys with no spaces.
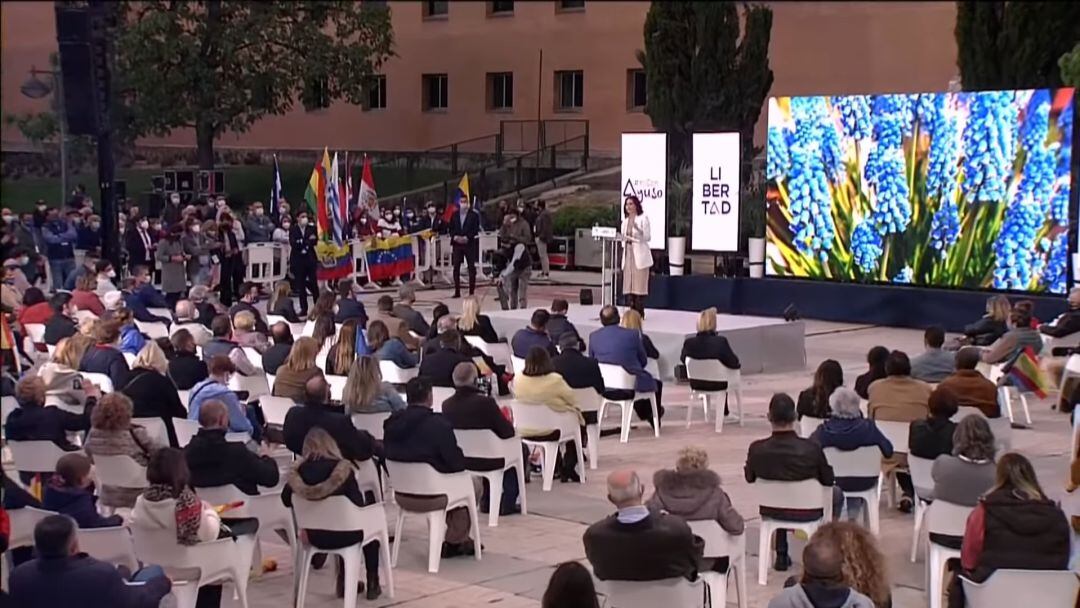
{"x":568,"y":219}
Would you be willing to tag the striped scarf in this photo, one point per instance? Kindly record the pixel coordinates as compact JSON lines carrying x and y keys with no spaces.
{"x":188,"y":511}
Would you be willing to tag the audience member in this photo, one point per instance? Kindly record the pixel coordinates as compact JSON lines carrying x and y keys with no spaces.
{"x":62,"y":575}
{"x":472,"y":323}
{"x":539,"y":385}
{"x":1021,"y":336}
{"x":693,"y":492}
{"x":1068,"y":322}
{"x":784,"y":456}
{"x":186,"y":369}
{"x":113,"y":434}
{"x":348,"y":306}
{"x":961,"y":478}
{"x":275,"y":356}
{"x":1014,"y":526}
{"x":355,"y":445}
{"x":365,"y":391}
{"x":140,"y":296}
{"x":394,"y":326}
{"x":990,"y":326}
{"x":404,"y":310}
{"x":200,"y":297}
{"x":438,"y":367}
{"x":214,"y":461}
{"x":281,"y":303}
{"x":32,"y":421}
{"x":131,"y":339}
{"x":706,"y":344}
{"x":535,"y":334}
{"x":824,"y":582}
{"x":216,"y":388}
{"x":934,"y":364}
{"x":152,"y":393}
{"x":570,"y":586}
{"x":342,"y":353}
{"x":84,"y":297}
{"x":249,"y":295}
{"x":60,"y":374}
{"x":439,"y":311}
{"x":222,"y":344}
{"x":298,"y":368}
{"x":245,"y":334}
{"x":323,"y":472}
{"x":324,"y":330}
{"x":634,"y":319}
{"x":104,"y":278}
{"x":60,"y":324}
{"x":814,"y":401}
{"x":899,"y":398}
{"x":847,"y":430}
{"x":876,"y":360}
{"x":186,"y":319}
{"x":637,"y":545}
{"x":616,"y":345}
{"x":558,"y":324}
{"x":36,"y":309}
{"x":933,"y":436}
{"x":970,"y":387}
{"x":71,"y":492}
{"x":389,"y":348}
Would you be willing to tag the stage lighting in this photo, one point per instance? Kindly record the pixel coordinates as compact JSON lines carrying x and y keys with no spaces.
{"x":585,"y":298}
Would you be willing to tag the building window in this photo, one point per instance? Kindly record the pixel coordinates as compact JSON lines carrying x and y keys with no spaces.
{"x":436,"y":92}
{"x":500,"y":87}
{"x":376,"y":92}
{"x":569,"y":90}
{"x":570,"y":5}
{"x":635,"y":90}
{"x":436,"y":10}
{"x":503,"y":7}
{"x":316,"y":94}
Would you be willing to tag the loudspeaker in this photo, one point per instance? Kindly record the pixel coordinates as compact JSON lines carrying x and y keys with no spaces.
{"x":84,"y":69}
{"x":170,"y":181}
{"x":211,"y":182}
{"x":157,"y":183}
{"x":586,"y":297}
{"x":120,"y":189}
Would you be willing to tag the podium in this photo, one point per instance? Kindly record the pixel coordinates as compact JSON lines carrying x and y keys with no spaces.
{"x":610,"y":262}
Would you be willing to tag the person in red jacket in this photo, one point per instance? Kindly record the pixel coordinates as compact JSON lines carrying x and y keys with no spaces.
{"x":35,"y":309}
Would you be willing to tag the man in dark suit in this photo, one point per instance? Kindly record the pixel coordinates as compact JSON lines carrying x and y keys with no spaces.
{"x":623,"y":347}
{"x":276,"y":354}
{"x":302,"y":262}
{"x":469,"y":409}
{"x":140,"y":245}
{"x":635,"y":545}
{"x":558,"y":324}
{"x":213,"y":461}
{"x":355,"y":445}
{"x":465,"y":244}
{"x":578,"y":370}
{"x":535,"y":334}
{"x":249,"y":294}
{"x":438,"y":365}
{"x":348,"y":307}
{"x":60,"y":325}
{"x":784,"y":456}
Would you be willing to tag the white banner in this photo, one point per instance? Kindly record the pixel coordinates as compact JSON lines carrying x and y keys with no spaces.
{"x":714,"y":221}
{"x":644,"y":174}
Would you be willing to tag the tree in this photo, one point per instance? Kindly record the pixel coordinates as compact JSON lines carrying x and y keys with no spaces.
{"x":219,"y":66}
{"x":1070,"y":67}
{"x":1013,"y":45}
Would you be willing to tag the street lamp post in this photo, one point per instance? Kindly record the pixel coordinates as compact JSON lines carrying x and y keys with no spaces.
{"x":35,"y":88}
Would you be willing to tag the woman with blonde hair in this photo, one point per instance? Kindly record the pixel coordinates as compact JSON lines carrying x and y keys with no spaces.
{"x":152,"y":392}
{"x":342,"y":354}
{"x":472,"y":323}
{"x":60,"y":374}
{"x":540,"y":386}
{"x":863,"y":565}
{"x":281,"y":303}
{"x":245,"y":334}
{"x":707,"y":344}
{"x":992,"y":325}
{"x":298,"y":368}
{"x":113,"y":434}
{"x":634,"y":319}
{"x":320,"y":473}
{"x":365,"y":392}
{"x":389,"y":348}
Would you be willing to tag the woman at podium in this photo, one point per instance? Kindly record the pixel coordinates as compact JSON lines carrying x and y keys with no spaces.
{"x":637,"y":258}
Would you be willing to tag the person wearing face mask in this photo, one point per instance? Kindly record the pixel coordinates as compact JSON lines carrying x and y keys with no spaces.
{"x":11,"y":295}
{"x":106,"y":278}
{"x":258,"y":227}
{"x":41,"y":212}
{"x":60,"y":236}
{"x":302,"y":262}
{"x":172,"y":211}
{"x":389,"y":225}
{"x":89,"y":233}
{"x":515,"y":230}
{"x":18,"y":234}
{"x":89,"y":262}
{"x":281,"y":231}
{"x":408,"y":222}
{"x":465,"y":244}
{"x":232,"y":259}
{"x":140,"y":245}
{"x":282,"y":210}
{"x":170,"y":252}
{"x":237,"y":226}
{"x":196,"y":251}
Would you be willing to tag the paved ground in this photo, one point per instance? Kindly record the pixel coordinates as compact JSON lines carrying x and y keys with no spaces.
{"x":522,"y":551}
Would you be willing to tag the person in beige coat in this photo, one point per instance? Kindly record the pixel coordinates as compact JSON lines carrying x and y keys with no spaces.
{"x":899,"y":398}
{"x":538,"y":384}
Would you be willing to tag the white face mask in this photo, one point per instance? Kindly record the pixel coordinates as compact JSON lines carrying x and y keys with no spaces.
{"x":285,"y":225}
{"x":111,"y":274}
{"x":258,"y":211}
{"x":23,"y":261}
{"x":144,"y":224}
{"x":9,"y":218}
{"x":303,"y":222}
{"x":195,"y":228}
{"x":95,"y":225}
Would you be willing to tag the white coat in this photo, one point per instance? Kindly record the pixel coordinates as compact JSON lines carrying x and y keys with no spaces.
{"x":638,"y":237}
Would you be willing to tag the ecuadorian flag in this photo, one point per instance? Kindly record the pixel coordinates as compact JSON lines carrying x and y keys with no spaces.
{"x":462,"y":193}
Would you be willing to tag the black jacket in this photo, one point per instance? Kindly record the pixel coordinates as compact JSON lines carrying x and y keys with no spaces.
{"x":216,"y":462}
{"x":417,"y":434}
{"x":47,"y":424}
{"x":187,"y":370}
{"x":1021,"y":534}
{"x":931,"y":437}
{"x":275,"y":356}
{"x":579,"y":371}
{"x":784,"y":456}
{"x":58,"y":327}
{"x":348,"y":308}
{"x":558,"y":325}
{"x":468,"y":409}
{"x":470,"y":230}
{"x":106,"y":360}
{"x":1067,"y":325}
{"x":985,"y":331}
{"x":207,"y":312}
{"x":260,"y":322}
{"x":287,"y":309}
{"x":437,"y":367}
{"x":302,"y":245}
{"x":655,"y":548}
{"x":80,"y":580}
{"x":138,"y":254}
{"x":154,"y":396}
{"x":708,"y":345}
{"x":483,"y":328}
{"x":321,"y":479}
{"x":808,"y":405}
{"x":863,"y":382}
{"x":650,"y":349}
{"x":355,"y":445}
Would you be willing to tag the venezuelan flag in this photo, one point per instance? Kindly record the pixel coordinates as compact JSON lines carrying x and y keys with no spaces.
{"x":389,"y":258}
{"x":1026,"y":374}
{"x":462,"y":193}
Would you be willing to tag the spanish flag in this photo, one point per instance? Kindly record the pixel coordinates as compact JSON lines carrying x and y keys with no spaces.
{"x":462,"y":193}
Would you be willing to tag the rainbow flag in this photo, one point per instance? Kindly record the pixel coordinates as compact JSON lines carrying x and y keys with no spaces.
{"x":1026,"y":374}
{"x":389,"y":259}
{"x":462,"y":193}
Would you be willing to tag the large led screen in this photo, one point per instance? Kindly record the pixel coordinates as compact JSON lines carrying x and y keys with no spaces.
{"x":962,"y":190}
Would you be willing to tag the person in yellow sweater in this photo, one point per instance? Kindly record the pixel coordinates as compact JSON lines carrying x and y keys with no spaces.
{"x":541,"y":386}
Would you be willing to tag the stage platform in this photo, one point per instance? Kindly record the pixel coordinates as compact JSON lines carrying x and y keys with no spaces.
{"x":763,"y":344}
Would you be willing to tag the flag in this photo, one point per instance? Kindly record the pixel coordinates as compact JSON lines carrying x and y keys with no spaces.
{"x":366,"y":200}
{"x":332,"y":250}
{"x":315,"y":194}
{"x":275,"y":192}
{"x":1026,"y":374}
{"x":461,"y":193}
{"x":390,"y":258}
{"x":348,"y":188}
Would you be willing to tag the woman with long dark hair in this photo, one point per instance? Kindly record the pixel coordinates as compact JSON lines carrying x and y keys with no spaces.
{"x":571,"y":586}
{"x":814,"y":401}
{"x":637,"y":257}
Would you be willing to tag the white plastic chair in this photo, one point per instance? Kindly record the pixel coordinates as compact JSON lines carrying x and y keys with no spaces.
{"x":617,"y":378}
{"x":588,"y":400}
{"x":155,"y":428}
{"x":254,"y":356}
{"x":438,"y":395}
{"x":367,"y":477}
{"x":36,"y":332}
{"x":1072,"y":370}
{"x":256,"y":385}
{"x":130,"y":358}
{"x":714,"y":371}
{"x":942,"y":518}
{"x":275,"y":408}
{"x":670,"y":592}
{"x":185,"y":397}
{"x":1009,"y":588}
{"x":861,"y":462}
{"x":337,"y":386}
{"x":498,"y":351}
{"x":308,"y":329}
{"x":396,"y":375}
{"x":372,"y":423}
{"x":22,"y":526}
{"x":103,"y":381}
{"x":923,"y":481}
{"x":483,"y":443}
{"x":160,"y":312}
{"x":421,"y":478}
{"x":112,"y":545}
{"x":541,"y":417}
{"x":898,"y":434}
{"x":36,"y":456}
{"x":185,"y":430}
{"x":324,"y":354}
{"x":120,"y":471}
{"x":265,"y":507}
{"x":339,"y":514}
{"x":806,"y":494}
{"x":1005,"y":399}
{"x":217,"y":560}
{"x":517,"y":363}
{"x":719,"y":543}
{"x":152,"y":329}
{"x":809,"y":424}
{"x":7,"y":405}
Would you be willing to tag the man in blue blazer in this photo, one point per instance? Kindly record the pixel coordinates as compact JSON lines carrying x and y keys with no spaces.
{"x":623,"y":347}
